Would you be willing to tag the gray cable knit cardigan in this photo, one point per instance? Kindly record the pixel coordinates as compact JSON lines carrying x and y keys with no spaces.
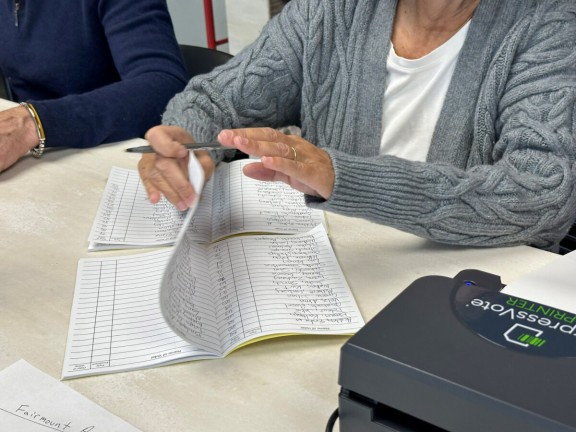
{"x":501,"y":166}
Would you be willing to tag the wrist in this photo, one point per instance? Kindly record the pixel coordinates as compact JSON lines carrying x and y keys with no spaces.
{"x":38,"y":149}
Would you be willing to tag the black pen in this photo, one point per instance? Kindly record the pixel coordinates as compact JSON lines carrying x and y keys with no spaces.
{"x":192,"y":146}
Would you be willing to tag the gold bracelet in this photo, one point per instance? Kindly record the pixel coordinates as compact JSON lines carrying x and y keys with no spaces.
{"x":39,"y":149}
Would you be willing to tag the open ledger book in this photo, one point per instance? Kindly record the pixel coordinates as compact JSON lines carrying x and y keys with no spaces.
{"x":231,"y":204}
{"x":203,"y":300}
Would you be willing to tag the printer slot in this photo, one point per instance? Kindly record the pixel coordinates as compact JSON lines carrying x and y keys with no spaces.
{"x":361,"y":414}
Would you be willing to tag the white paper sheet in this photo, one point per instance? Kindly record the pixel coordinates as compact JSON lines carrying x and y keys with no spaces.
{"x":126,"y":218}
{"x":32,"y":401}
{"x":552,"y":285}
{"x":248,"y":286}
{"x":231,"y":203}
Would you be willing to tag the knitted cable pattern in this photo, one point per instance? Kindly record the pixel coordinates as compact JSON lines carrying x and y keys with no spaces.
{"x":517,"y":185}
{"x":501,"y":165}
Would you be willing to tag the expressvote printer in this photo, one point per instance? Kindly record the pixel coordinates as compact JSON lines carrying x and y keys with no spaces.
{"x":458,"y":355}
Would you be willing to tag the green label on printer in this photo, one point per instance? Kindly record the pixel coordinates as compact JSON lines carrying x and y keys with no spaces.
{"x":516,"y":323}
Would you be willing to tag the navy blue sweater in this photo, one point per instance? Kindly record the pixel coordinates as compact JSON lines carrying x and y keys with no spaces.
{"x":96,"y":70}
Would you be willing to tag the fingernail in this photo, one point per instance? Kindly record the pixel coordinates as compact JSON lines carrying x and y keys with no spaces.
{"x":182,"y":206}
{"x":225,"y":134}
{"x":190,"y":200}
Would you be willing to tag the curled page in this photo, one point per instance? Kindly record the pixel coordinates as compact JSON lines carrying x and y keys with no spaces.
{"x":203,"y":300}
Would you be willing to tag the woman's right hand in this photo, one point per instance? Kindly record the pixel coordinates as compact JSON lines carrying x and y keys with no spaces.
{"x":165,"y":172}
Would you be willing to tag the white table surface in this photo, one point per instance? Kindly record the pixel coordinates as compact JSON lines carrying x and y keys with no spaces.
{"x":285,"y":384}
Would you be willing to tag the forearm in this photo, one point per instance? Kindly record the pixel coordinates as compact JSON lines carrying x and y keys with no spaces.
{"x":499,"y":205}
{"x":119,"y":111}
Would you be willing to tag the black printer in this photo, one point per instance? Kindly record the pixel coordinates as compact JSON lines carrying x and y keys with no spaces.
{"x":458,"y":355}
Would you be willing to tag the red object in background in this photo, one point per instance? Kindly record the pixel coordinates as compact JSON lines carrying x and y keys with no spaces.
{"x":210,"y":30}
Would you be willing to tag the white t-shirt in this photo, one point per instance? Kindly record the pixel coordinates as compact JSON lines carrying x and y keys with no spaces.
{"x":414,"y":97}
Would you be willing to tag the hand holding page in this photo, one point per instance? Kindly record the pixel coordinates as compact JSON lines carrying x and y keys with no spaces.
{"x":127,"y":219}
{"x":231,"y":203}
{"x":138,"y":311}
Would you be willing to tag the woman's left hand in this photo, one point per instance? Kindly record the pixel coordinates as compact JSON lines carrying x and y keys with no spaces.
{"x":286,"y":158}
